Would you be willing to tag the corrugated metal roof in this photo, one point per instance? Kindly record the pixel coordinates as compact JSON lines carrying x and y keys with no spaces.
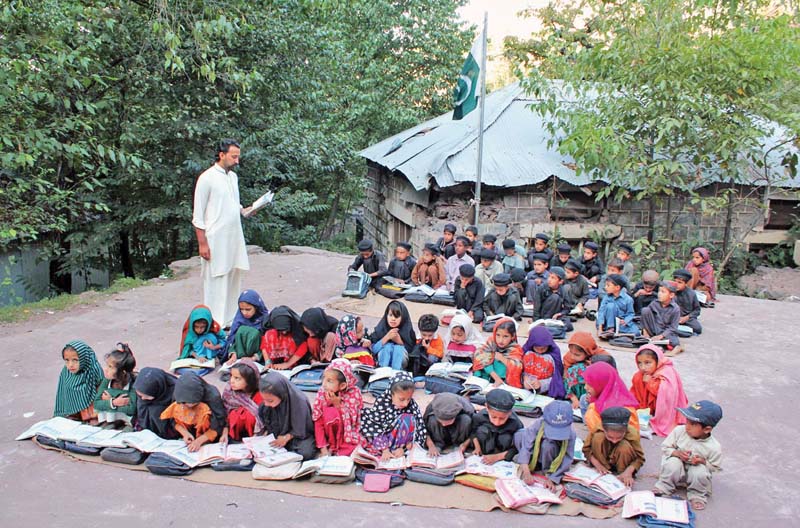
{"x":515,"y":150}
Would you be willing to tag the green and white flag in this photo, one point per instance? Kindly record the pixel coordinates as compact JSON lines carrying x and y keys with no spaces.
{"x":468,"y":89}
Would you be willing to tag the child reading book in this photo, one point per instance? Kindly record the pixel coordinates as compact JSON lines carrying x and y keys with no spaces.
{"x":494,"y":427}
{"x":401,"y":265}
{"x":77,"y":384}
{"x":550,"y":299}
{"x":197,"y":413}
{"x":429,"y":269}
{"x":691,"y":454}
{"x":606,"y":389}
{"x":505,"y":299}
{"x":542,"y":367}
{"x":592,"y":265}
{"x":615,"y":445}
{"x":448,"y":420}
{"x":282,"y":339}
{"x":286,"y":414}
{"x":244,"y":337}
{"x":154,"y":392}
{"x":462,"y":339}
{"x":393,"y":339}
{"x":658,"y":387}
{"x":660,"y":319}
{"x":469,"y":292}
{"x":547,"y":444}
{"x":687,"y":301}
{"x":115,"y":401}
{"x":350,"y":332}
{"x":500,"y":359}
{"x":576,"y":287}
{"x":582,"y":347}
{"x":320,"y":342}
{"x":336,"y":411}
{"x":394,"y":423}
{"x":429,"y":348}
{"x":202,"y":336}
{"x":616,"y":309}
{"x":702,"y":273}
{"x":241,"y":399}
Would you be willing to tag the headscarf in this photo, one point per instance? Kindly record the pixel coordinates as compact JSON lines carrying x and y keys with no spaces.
{"x":191,"y":388}
{"x":261,"y":314}
{"x":233,"y":399}
{"x":346,"y":332}
{"x":705,"y":270}
{"x":351,"y":406}
{"x":284,"y":319}
{"x":484,"y":356}
{"x":200,"y":312}
{"x":460,"y":319}
{"x":320,"y":323}
{"x":585,"y":342}
{"x":77,"y":391}
{"x":160,"y":386}
{"x":293,"y":413}
{"x":539,"y":336}
{"x":406,"y":329}
{"x":611,"y":390}
{"x":670,"y":393}
{"x":380,"y":418}
{"x":446,"y":406}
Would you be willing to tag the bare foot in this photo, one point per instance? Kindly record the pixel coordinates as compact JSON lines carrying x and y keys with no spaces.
{"x":657,"y":492}
{"x":697,"y":504}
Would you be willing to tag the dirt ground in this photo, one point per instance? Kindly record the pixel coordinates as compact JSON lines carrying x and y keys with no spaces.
{"x":744,"y":360}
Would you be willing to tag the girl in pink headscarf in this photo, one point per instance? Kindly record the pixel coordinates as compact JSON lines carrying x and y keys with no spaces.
{"x":658,"y":387}
{"x":702,"y":273}
{"x":337,"y":410}
{"x":606,"y":389}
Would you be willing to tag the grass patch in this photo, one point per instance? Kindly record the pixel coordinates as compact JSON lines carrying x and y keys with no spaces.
{"x":23,"y":312}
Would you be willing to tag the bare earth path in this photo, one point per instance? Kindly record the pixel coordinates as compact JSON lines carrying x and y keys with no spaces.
{"x":747,"y":360}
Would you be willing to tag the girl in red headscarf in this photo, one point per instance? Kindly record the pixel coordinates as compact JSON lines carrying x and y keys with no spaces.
{"x":702,"y":273}
{"x":658,"y":387}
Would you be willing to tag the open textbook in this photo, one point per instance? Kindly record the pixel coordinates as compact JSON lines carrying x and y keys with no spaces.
{"x":501,"y":470}
{"x":588,"y":476}
{"x":261,"y":202}
{"x":444,"y":369}
{"x":483,"y":386}
{"x":333,"y":466}
{"x":192,"y":363}
{"x":662,"y":508}
{"x":514,"y":493}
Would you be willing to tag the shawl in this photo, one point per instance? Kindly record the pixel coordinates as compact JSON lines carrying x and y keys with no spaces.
{"x":540,"y":336}
{"x":485,"y":356}
{"x":320,"y":323}
{"x":284,"y":319}
{"x":233,"y":399}
{"x":292,"y":415}
{"x":188,"y":337}
{"x":609,"y":387}
{"x":380,"y":418}
{"x":586,"y":342}
{"x":462,"y":320}
{"x":159,"y":385}
{"x":670,"y":393}
{"x":252,"y":298}
{"x":346,"y":332}
{"x":705,"y":270}
{"x":191,"y":388}
{"x":77,"y":391}
{"x":537,"y":446}
{"x":406,"y":329}
{"x":351,"y":406}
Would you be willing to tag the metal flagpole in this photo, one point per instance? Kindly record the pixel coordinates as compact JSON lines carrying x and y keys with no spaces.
{"x":480,"y":130}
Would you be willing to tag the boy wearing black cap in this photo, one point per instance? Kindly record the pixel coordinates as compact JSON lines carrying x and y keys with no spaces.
{"x":518,"y":280}
{"x":539,"y":272}
{"x":550,"y":299}
{"x":429,"y":268}
{"x":448,"y":420}
{"x":616,"y":311}
{"x":494,"y":427}
{"x":691,"y":454}
{"x":471,"y":232}
{"x":616,"y":447}
{"x":592,"y":265}
{"x":487,"y":269}
{"x":645,"y":291}
{"x":540,"y":247}
{"x":490,"y":242}
{"x":687,"y":301}
{"x":469,"y":293}
{"x":576,"y":287}
{"x":660,"y":319}
{"x":512,"y":259}
{"x":504,"y":299}
{"x":446,"y":242}
{"x":458,"y":259}
{"x":548,"y":444}
{"x":624,"y":253}
{"x":401,"y":266}
{"x":562,"y":256}
{"x":372,"y":260}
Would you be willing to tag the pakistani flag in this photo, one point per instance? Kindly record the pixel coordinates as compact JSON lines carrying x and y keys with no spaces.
{"x":468,"y":90}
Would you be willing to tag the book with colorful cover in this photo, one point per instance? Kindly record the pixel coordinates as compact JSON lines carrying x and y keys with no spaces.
{"x":588,"y":476}
{"x":419,"y":457}
{"x":662,"y":508}
{"x":514,"y":493}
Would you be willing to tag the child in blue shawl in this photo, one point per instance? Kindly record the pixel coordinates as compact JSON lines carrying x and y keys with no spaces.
{"x":244,"y":337}
{"x":202,"y":336}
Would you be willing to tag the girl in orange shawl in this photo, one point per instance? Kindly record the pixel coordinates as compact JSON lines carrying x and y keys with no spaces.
{"x":658,"y":387}
{"x":500,"y":358}
{"x":582,"y":347}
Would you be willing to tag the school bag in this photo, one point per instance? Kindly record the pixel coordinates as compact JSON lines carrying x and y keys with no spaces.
{"x":378,"y":387}
{"x":685,"y":331}
{"x":245,"y":464}
{"x":309,"y":380}
{"x":582,"y":493}
{"x":430,"y":476}
{"x":438,"y":384}
{"x":396,"y":477}
{"x":48,"y":443}
{"x":123,"y":455}
{"x":390,"y":291}
{"x":418,"y":298}
{"x":357,"y":284}
{"x":444,"y":300}
{"x":163,"y":464}
{"x":72,"y":447}
{"x":646,"y":521}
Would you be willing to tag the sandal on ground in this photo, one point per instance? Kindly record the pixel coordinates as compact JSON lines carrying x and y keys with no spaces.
{"x":697,"y":504}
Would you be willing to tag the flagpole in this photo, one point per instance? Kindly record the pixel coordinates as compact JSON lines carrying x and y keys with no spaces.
{"x":480,"y":129}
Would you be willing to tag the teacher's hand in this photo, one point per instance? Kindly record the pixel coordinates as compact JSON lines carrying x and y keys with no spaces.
{"x":205,"y":251}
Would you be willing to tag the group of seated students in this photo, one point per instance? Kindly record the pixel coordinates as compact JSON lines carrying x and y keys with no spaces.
{"x":486,"y":282}
{"x":337,"y":422}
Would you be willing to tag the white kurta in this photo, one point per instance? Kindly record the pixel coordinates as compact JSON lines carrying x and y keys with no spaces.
{"x":217,"y":211}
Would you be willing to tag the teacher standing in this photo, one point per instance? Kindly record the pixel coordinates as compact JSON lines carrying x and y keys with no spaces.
{"x":217,"y":223}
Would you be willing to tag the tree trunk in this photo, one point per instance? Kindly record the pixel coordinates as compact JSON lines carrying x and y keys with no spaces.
{"x":651,"y":222}
{"x":726,"y":238}
{"x":125,"y":254}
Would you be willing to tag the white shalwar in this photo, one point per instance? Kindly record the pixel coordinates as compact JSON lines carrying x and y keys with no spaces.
{"x":217,"y":211}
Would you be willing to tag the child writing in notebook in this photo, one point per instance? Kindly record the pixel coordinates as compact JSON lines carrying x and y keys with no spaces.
{"x":615,"y":446}
{"x":336,"y":411}
{"x":283,"y":337}
{"x":115,"y":401}
{"x":286,"y":414}
{"x":241,"y":399}
{"x":394,"y":423}
{"x":500,"y":359}
{"x":77,"y":384}
{"x":658,"y":387}
{"x":548,"y":444}
{"x":494,"y":427}
{"x":448,"y":420}
{"x":197,"y":413}
{"x":462,"y":340}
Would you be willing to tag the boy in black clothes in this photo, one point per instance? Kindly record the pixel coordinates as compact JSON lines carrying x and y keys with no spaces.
{"x":504,"y":299}
{"x":660,"y":318}
{"x":645,"y":291}
{"x":592,"y":266}
{"x":687,"y":301}
{"x":519,"y":281}
{"x":562,"y":256}
{"x":469,"y":293}
{"x":490,"y":242}
{"x":447,"y":242}
{"x":372,"y":260}
{"x":551,"y":302}
{"x":540,"y":247}
{"x":401,"y":266}
{"x":576,"y":287}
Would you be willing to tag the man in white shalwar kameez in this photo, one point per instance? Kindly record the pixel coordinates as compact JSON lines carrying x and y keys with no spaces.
{"x":217,"y":222}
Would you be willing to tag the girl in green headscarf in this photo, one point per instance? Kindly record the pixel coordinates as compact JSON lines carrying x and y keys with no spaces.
{"x":202,"y":336}
{"x":78,"y":382}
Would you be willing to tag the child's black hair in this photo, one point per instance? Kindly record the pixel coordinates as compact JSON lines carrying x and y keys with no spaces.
{"x":395,"y":309}
{"x":123,"y":360}
{"x":605,"y":358}
{"x":615,"y":427}
{"x":402,"y":386}
{"x":265,"y":385}
{"x":509,"y":327}
{"x":428,"y":323}
{"x":472,"y":229}
{"x":616,"y":263}
{"x":249,"y":376}
{"x":649,"y":353}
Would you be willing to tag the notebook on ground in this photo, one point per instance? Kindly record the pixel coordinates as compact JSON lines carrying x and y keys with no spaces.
{"x":514,"y":493}
{"x":608,"y":483}
{"x":662,"y":508}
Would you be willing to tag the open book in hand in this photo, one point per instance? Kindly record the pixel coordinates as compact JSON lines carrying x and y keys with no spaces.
{"x":261,"y":202}
{"x":588,"y":476}
{"x":514,"y":493}
{"x":501,"y":470}
{"x":662,"y":508}
{"x":364,"y":458}
{"x":420,"y":457}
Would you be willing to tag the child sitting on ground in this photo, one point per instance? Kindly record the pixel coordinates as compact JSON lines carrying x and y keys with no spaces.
{"x":286,"y":414}
{"x":373,"y":261}
{"x":615,"y":446}
{"x":469,"y":293}
{"x":687,"y":301}
{"x":592,"y":266}
{"x":614,"y":267}
{"x":551,"y":301}
{"x":350,"y":332}
{"x":606,"y":389}
{"x":514,"y":258}
{"x":429,"y":348}
{"x":691,"y":454}
{"x":541,"y":363}
{"x":197,"y":413}
{"x":471,"y":232}
{"x":540,"y":248}
{"x":490,"y":243}
{"x":582,"y":347}
{"x":336,"y":411}
{"x":504,"y":299}
{"x":244,"y":337}
{"x":519,"y":281}
{"x":547,"y":444}
{"x":320,"y":343}
{"x":401,"y":266}
{"x":202,"y":336}
{"x":702,"y":273}
{"x":494,"y":427}
{"x":115,"y":402}
{"x":446,"y":242}
{"x":645,"y":291}
{"x":77,"y":384}
{"x":282,"y":339}
{"x":616,"y":310}
{"x":576,"y":288}
{"x":393,"y":339}
{"x":500,"y":359}
{"x":562,"y":256}
{"x":538,"y":275}
{"x":624,"y":253}
{"x":660,"y":319}
{"x":429,"y":269}
{"x":448,"y":420}
{"x":658,"y":387}
{"x":241,"y":398}
{"x":394,"y":423}
{"x":487,"y":269}
{"x":462,"y":340}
